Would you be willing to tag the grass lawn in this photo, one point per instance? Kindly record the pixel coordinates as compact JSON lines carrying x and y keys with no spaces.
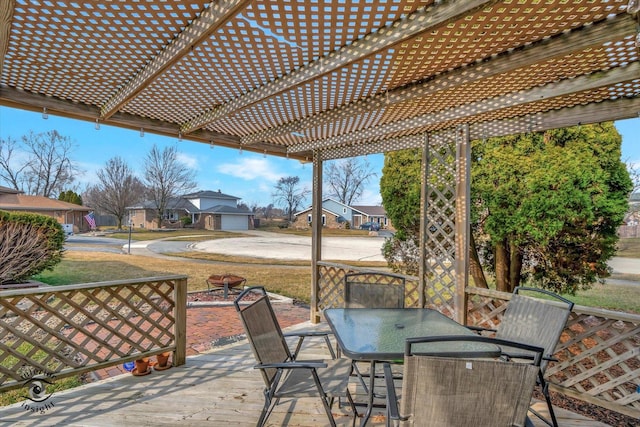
{"x":190,"y":234}
{"x":183,"y":234}
{"x":20,"y":394}
{"x":83,"y":267}
{"x":289,"y":278}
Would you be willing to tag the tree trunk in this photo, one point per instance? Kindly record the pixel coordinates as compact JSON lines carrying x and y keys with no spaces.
{"x":475,"y":267}
{"x":515,"y":266}
{"x":502,"y":267}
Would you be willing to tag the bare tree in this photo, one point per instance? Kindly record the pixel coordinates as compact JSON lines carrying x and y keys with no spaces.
{"x":117,"y":189}
{"x":166,"y":178}
{"x":289,"y":195}
{"x":40,"y":165}
{"x":347,"y":178}
{"x":10,"y":171}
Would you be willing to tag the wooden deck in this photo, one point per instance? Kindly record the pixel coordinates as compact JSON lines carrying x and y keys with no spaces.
{"x":214,"y":389}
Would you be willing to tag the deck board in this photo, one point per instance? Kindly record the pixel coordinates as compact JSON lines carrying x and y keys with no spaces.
{"x":213,"y":389}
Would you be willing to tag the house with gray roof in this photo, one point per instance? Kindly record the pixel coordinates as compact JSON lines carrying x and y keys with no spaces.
{"x":336,"y":214}
{"x":207,"y":210}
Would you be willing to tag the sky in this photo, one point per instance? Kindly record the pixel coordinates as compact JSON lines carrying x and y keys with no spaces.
{"x":248,"y":176}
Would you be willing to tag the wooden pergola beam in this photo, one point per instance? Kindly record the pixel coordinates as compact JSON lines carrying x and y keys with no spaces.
{"x":414,"y":24}
{"x":550,"y":91}
{"x":553,"y":47}
{"x":617,"y":109}
{"x":6,"y":15}
{"x":209,"y":21}
{"x":15,"y":98}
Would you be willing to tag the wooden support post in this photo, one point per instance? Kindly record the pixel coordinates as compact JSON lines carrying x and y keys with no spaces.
{"x":463,"y":218}
{"x":316,"y":236}
{"x":180,"y":313}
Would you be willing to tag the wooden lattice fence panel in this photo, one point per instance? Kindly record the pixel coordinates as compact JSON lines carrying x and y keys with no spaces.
{"x":331,"y":285}
{"x":598,"y":353}
{"x":331,"y":292}
{"x":440,"y":230}
{"x":599,"y":360}
{"x":66,"y":330}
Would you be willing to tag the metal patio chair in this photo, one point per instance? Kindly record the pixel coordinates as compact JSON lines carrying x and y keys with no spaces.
{"x":364,"y":289}
{"x":459,"y":390}
{"x":536,"y":322}
{"x":282,"y":374}
{"x":373,"y":290}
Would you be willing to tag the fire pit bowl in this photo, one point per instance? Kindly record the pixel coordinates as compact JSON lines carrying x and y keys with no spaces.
{"x":224,"y":282}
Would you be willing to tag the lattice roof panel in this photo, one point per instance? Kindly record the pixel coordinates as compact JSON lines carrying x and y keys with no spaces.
{"x":293,"y":76}
{"x":569,"y":66}
{"x":504,"y":26}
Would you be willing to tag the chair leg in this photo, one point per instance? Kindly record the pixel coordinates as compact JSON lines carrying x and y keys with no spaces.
{"x":265,"y":409}
{"x":324,"y":398}
{"x":353,"y":408}
{"x":545,"y":391}
{"x":354,"y":368}
{"x":547,"y":397}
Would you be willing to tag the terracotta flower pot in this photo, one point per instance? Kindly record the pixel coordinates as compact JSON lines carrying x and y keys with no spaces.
{"x":163,"y":361}
{"x":142,"y":367}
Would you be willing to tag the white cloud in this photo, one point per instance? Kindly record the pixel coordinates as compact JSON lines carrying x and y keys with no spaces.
{"x":249,"y":169}
{"x":190,"y":161}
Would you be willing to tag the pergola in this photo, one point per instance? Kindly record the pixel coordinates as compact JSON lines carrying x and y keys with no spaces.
{"x":317,"y":80}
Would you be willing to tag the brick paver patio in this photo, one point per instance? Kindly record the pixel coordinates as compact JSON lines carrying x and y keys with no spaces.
{"x":208,"y":326}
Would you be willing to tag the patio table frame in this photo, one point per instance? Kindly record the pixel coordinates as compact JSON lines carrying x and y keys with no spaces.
{"x":380,"y":334}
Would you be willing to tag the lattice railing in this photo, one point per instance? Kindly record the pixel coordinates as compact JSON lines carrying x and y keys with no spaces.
{"x":598,"y":354}
{"x":331,"y":292}
{"x":68,"y":330}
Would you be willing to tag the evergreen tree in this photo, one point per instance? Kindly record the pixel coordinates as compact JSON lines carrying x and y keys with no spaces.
{"x":545,"y":206}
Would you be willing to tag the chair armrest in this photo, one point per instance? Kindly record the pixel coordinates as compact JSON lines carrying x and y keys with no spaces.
{"x":308,"y":334}
{"x":309,"y":364}
{"x":301,"y":335}
{"x":392,"y":398}
{"x":510,"y":355}
{"x":481,"y":329}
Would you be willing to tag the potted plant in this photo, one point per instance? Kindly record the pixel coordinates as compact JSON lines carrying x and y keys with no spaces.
{"x":141,"y":367}
{"x":163,"y":361}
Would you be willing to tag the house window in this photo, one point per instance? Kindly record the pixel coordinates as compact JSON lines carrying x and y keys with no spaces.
{"x":344,"y":210}
{"x":309,"y":218}
{"x":171,"y":216}
{"x":324,"y":220}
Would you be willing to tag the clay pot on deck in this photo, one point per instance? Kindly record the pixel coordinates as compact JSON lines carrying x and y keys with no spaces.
{"x":141,"y":367}
{"x":163,"y":361}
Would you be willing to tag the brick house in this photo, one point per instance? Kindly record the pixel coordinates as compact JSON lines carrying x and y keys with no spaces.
{"x":336,"y":215}
{"x":64,"y":212}
{"x":207,"y":210}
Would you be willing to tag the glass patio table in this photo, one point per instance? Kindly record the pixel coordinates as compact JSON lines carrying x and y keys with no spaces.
{"x":380,"y":334}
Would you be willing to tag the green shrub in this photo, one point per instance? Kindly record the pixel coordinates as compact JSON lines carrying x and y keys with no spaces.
{"x":29,"y":244}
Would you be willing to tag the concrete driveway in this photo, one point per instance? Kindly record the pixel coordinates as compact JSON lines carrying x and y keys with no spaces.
{"x":276,"y":245}
{"x":282,"y":246}
{"x":625,"y":265}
